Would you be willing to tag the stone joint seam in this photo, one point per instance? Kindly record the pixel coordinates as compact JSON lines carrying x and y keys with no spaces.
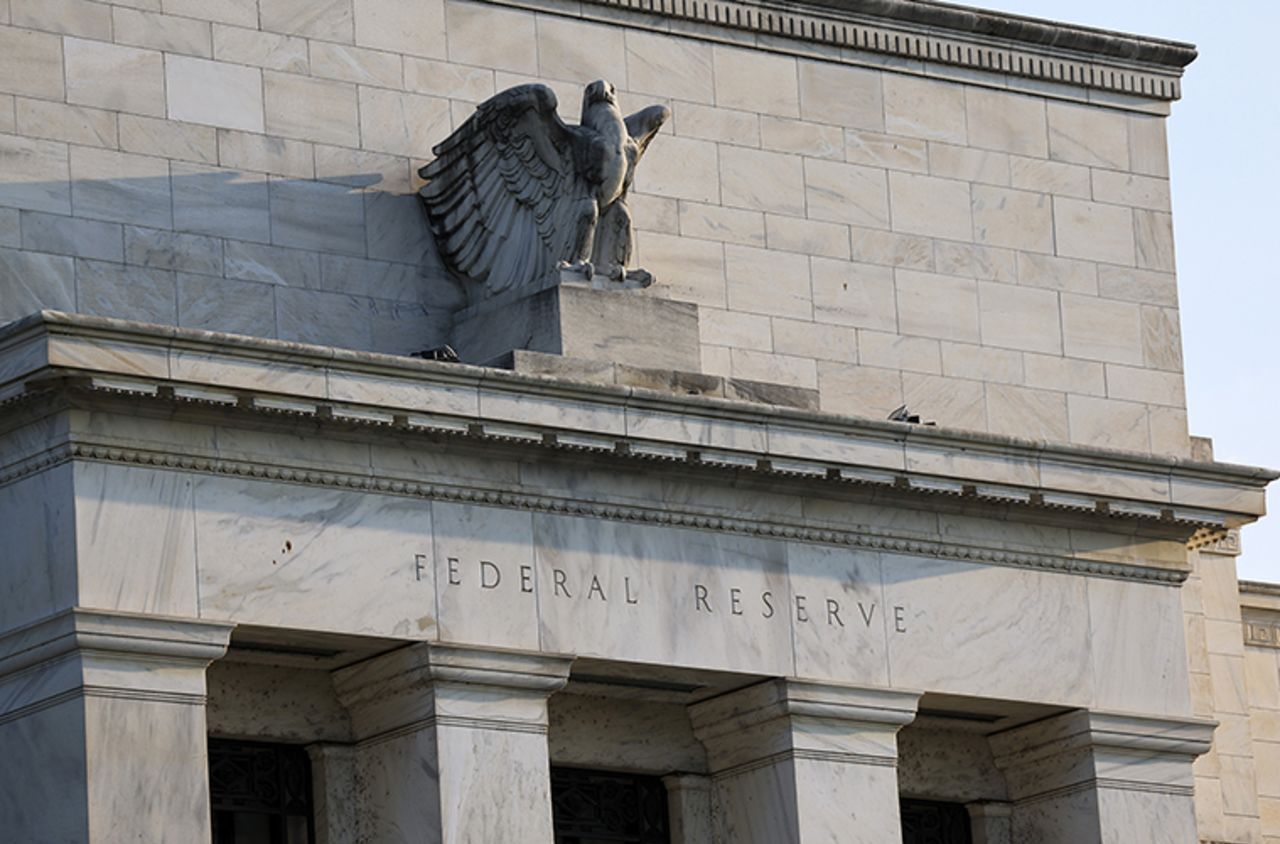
{"x":862,"y":537}
{"x":155,"y":696}
{"x":433,"y":721}
{"x":848,"y":33}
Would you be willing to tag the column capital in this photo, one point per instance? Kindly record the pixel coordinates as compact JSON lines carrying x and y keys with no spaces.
{"x":1102,"y":749}
{"x":429,"y":681}
{"x":97,"y":653}
{"x":452,"y":743}
{"x":790,"y":716}
{"x":789,"y":697}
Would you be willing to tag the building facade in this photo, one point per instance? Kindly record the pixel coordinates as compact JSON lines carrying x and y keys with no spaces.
{"x":645,"y":565}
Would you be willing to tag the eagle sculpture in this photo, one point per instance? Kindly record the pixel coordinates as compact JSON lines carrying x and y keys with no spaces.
{"x":515,"y":192}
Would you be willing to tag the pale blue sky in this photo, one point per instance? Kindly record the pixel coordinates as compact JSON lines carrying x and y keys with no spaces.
{"x":1224,"y":136}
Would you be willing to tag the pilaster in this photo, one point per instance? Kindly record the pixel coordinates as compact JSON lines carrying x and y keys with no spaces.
{"x":796,"y":761}
{"x":102,"y":725}
{"x":452,"y":744}
{"x":689,"y":808}
{"x":1086,"y":777}
{"x":333,"y":778}
{"x":991,"y":822}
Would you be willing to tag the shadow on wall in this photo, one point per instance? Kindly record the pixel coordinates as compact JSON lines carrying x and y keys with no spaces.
{"x":339,"y":262}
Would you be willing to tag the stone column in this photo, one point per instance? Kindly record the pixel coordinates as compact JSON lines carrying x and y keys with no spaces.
{"x":452,"y":744}
{"x":797,"y":762}
{"x":689,"y":808}
{"x":1101,"y":778}
{"x":102,"y":728}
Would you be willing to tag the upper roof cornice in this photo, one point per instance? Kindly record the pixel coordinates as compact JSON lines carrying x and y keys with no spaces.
{"x":1034,"y":32}
{"x":944,"y":34}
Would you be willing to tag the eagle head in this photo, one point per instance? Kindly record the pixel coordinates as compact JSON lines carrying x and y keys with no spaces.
{"x":600,"y":91}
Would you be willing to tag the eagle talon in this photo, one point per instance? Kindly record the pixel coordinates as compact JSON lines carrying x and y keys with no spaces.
{"x":638,"y":278}
{"x":584,"y":268}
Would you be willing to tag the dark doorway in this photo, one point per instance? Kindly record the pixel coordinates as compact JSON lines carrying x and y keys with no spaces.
{"x":934,"y":822}
{"x":602,"y":807}
{"x":260,"y":793}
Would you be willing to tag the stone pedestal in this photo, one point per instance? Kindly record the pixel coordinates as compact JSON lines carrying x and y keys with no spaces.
{"x":795,"y":762}
{"x":1099,"y":778}
{"x":102,"y":728}
{"x":452,"y":744}
{"x":578,"y":320}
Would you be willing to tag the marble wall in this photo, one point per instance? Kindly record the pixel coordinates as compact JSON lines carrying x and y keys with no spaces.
{"x":281,"y":555}
{"x":995,"y":253}
{"x":1233,"y":638}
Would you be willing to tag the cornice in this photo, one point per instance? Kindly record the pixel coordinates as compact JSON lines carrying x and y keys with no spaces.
{"x":852,"y":536}
{"x":140,"y":359}
{"x":94,"y":653}
{"x":1035,"y":32}
{"x":1258,"y":587}
{"x":934,"y":33}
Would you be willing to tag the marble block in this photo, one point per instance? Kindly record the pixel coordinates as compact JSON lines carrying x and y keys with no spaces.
{"x":281,"y":555}
{"x":678,"y":382}
{"x":578,"y":320}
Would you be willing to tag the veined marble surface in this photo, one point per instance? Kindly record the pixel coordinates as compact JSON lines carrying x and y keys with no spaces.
{"x":281,"y":555}
{"x":286,"y":555}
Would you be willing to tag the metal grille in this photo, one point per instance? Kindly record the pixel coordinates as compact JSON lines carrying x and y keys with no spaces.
{"x":929,"y":822}
{"x":260,"y":793}
{"x":599,"y":807}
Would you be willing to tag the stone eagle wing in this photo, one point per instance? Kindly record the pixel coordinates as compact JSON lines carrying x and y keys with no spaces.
{"x":502,"y":195}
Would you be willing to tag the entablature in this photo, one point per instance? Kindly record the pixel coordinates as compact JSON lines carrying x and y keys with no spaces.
{"x":262,"y":381}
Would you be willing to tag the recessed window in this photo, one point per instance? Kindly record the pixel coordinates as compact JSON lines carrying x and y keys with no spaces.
{"x":603,"y":807}
{"x":260,"y":793}
{"x":934,"y":822}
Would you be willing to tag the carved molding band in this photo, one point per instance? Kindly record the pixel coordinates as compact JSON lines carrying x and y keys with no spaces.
{"x":1092,"y":785}
{"x":1208,"y":525}
{"x":859,"y":536}
{"x":1085,"y":58}
{"x":835,"y":757}
{"x":1226,"y":543}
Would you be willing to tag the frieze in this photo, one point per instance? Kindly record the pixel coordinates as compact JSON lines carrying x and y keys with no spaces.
{"x":1263,"y":632}
{"x":834,"y":611}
